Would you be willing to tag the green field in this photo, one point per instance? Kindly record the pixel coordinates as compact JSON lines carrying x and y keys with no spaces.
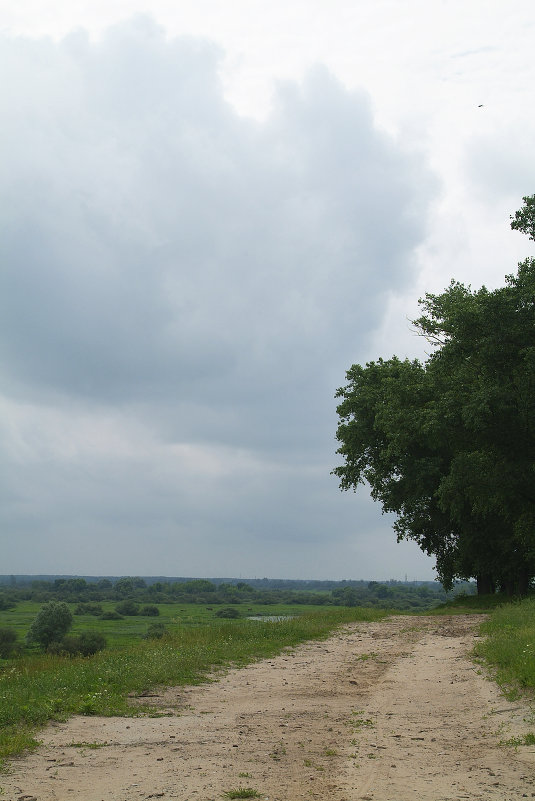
{"x":131,"y":629}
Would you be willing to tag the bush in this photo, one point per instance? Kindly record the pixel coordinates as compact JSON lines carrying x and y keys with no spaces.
{"x":6,"y":602}
{"x":85,"y":644}
{"x":91,"y":642}
{"x":8,"y":643}
{"x":150,"y":610}
{"x":52,"y":623}
{"x":127,"y":607}
{"x":228,"y":612}
{"x":112,"y":615}
{"x":155,"y":631}
{"x":68,"y":645}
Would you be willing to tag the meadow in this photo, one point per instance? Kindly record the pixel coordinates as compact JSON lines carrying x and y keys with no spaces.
{"x":129,"y":629}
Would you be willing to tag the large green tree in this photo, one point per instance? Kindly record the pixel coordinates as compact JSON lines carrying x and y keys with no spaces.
{"x":449,"y":444}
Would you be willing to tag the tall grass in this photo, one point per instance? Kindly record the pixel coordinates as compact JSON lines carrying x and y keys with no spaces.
{"x":468,"y":605}
{"x":36,"y":689}
{"x":510,"y":645}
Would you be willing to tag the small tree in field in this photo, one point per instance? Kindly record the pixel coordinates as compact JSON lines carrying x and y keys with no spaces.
{"x":53,"y":621}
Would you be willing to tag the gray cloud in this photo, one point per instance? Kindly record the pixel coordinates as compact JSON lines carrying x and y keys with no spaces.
{"x":201,"y":277}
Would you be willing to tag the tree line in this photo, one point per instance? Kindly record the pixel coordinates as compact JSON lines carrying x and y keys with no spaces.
{"x":130,"y":592}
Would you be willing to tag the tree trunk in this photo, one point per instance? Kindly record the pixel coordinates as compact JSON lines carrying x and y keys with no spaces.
{"x":522,"y":581}
{"x":485,"y":584}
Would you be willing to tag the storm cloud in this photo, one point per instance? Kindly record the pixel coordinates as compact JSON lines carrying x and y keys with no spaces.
{"x":182,"y":290}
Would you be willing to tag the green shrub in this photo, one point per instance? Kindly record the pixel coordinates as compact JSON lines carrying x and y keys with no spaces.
{"x":8,"y":643}
{"x":85,"y":644}
{"x":227,"y":612}
{"x":155,"y":631}
{"x":52,"y":623}
{"x":6,"y":602}
{"x":149,"y":610}
{"x":68,"y":645}
{"x":127,"y":607}
{"x":91,"y":642}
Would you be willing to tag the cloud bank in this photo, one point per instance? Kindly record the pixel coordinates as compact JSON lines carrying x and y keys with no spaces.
{"x":181,"y":293}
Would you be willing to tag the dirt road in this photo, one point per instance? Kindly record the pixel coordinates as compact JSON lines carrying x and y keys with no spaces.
{"x":389,"y":711}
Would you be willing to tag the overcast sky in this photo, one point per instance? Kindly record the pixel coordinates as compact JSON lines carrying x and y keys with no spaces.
{"x":209,"y":212}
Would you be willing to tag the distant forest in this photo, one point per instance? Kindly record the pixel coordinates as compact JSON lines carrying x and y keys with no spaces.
{"x":87,"y":589}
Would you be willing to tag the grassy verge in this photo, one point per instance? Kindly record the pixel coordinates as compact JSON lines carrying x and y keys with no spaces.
{"x":36,"y":689}
{"x":509,"y":646}
{"x":468,"y":605}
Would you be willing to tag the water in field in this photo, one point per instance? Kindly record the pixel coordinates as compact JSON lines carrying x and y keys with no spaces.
{"x":270,"y":618}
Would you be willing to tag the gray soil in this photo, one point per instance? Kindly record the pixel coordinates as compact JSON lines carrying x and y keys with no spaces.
{"x":389,"y":711}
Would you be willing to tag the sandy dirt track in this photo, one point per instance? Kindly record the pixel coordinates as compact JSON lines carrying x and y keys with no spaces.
{"x":389,"y":711}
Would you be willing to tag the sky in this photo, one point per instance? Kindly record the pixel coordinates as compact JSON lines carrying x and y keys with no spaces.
{"x":208,"y":213}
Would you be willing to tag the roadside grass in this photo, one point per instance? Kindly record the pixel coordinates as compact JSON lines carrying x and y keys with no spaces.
{"x":40,"y":687}
{"x":509,"y":646}
{"x":468,"y":605}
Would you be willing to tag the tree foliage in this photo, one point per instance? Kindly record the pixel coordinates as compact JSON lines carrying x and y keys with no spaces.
{"x":127,"y":607}
{"x":52,"y":622}
{"x":524,"y":219}
{"x":449,"y":444}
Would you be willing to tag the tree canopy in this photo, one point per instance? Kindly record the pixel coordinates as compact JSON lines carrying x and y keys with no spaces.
{"x":53,"y":621}
{"x":449,"y":444}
